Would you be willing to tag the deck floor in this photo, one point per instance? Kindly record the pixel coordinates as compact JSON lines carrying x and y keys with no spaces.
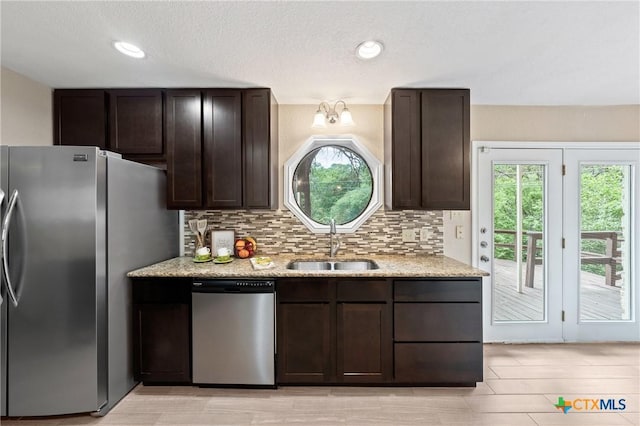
{"x":598,"y":301}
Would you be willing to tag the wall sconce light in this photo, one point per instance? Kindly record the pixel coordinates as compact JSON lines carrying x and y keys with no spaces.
{"x":328,"y":113}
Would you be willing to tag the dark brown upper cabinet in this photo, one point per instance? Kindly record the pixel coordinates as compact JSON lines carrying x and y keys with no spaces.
{"x":427,"y":149}
{"x":126,"y":121}
{"x":183,"y":135}
{"x":260,"y":138}
{"x":235,"y":161}
{"x":222,"y":123}
{"x":135,"y":122}
{"x":80,"y":118}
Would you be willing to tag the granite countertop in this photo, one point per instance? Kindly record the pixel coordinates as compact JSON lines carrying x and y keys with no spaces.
{"x":390,"y":266}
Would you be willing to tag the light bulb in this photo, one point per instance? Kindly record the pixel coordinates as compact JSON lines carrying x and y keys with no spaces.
{"x":129,"y":49}
{"x":369,"y":49}
{"x":318,"y":120}
{"x":345,"y":118}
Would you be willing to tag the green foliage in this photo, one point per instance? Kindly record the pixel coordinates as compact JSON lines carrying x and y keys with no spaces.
{"x":505,"y":204}
{"x":601,"y":205}
{"x":341,"y":191}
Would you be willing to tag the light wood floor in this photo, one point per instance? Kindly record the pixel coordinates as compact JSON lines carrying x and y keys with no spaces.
{"x":521,"y":385}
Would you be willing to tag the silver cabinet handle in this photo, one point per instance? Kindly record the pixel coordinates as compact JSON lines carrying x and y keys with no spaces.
{"x":13,"y":202}
{"x":484,"y":258}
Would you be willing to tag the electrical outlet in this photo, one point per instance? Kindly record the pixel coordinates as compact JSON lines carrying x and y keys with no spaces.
{"x":459,"y":232}
{"x":424,"y":234}
{"x":408,"y":235}
{"x":455,"y":215}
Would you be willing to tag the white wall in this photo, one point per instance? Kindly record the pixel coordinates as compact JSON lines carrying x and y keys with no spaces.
{"x":26,"y":116}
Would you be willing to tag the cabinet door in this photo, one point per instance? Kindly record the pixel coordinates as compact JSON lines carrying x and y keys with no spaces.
{"x":446,"y":157}
{"x":260,"y":157}
{"x":80,"y":118}
{"x":184,"y":148}
{"x":135,"y":121}
{"x":223,"y":148}
{"x":162,"y":343}
{"x":405,"y":149}
{"x":304,"y":343}
{"x":364,"y":342}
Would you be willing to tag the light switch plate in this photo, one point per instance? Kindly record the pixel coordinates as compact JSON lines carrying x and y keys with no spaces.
{"x":408,"y":235}
{"x":459,"y":232}
{"x":424,"y":234}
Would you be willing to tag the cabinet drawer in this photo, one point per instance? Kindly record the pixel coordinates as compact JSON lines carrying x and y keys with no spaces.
{"x":303,"y":290}
{"x":363,"y":291}
{"x":463,"y":290}
{"x":162,"y":290}
{"x":439,"y":322}
{"x":438,"y":363}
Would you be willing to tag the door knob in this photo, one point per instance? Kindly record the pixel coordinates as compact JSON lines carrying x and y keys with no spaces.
{"x":484,"y":258}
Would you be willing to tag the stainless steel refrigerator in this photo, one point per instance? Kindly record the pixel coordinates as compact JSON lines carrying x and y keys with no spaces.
{"x":75,"y":220}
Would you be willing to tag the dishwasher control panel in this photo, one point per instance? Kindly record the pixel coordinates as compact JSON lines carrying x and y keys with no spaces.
{"x":233,"y":286}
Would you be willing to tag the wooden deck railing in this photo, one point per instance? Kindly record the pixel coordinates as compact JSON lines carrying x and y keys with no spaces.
{"x":609,"y":259}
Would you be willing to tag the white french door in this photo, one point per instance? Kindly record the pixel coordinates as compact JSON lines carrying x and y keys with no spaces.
{"x":519,"y":200}
{"x":601,"y":228}
{"x":527,"y":211}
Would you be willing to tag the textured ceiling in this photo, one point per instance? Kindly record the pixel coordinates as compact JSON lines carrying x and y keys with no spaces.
{"x":508,"y":53}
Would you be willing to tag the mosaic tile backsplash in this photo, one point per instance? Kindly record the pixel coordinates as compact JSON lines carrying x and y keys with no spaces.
{"x":280,"y":232}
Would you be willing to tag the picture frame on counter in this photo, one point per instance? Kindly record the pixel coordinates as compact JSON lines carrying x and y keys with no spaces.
{"x":220,"y":239}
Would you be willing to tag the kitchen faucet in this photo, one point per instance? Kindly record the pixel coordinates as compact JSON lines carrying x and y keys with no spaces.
{"x":333,"y":247}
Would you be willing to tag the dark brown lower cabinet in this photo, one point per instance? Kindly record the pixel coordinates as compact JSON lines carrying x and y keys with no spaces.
{"x":164,"y":346}
{"x":363,"y":343}
{"x":304,"y":343}
{"x":438,"y":331}
{"x":363,"y":331}
{"x":379,"y":331}
{"x":162,"y":323}
{"x":334,"y":331}
{"x":438,"y":363}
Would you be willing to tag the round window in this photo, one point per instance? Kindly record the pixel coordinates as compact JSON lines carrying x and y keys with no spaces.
{"x":333,"y":178}
{"x":332,"y":182}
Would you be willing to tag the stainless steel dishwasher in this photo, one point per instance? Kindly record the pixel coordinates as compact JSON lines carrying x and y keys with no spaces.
{"x":233,"y":328}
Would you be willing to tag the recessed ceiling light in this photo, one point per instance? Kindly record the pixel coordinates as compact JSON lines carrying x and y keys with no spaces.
{"x":368,"y":49}
{"x":129,"y":49}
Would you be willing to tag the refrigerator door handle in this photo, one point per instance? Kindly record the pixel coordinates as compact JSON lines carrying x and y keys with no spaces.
{"x":13,"y":202}
{"x":1,"y":248}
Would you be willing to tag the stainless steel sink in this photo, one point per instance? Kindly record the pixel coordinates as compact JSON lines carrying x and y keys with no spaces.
{"x":355,"y":265}
{"x":333,"y":265}
{"x":309,"y":265}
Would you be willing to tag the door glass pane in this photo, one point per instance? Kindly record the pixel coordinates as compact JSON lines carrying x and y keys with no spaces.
{"x":519,"y":288}
{"x":605,"y":204}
